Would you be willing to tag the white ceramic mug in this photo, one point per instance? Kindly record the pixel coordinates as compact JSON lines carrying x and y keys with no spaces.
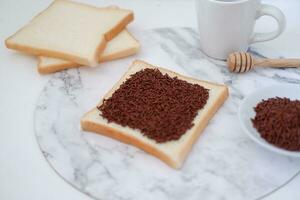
{"x":226,"y":26}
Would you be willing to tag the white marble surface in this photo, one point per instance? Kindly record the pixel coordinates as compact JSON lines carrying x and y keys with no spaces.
{"x":224,"y":164}
{"x":24,"y":172}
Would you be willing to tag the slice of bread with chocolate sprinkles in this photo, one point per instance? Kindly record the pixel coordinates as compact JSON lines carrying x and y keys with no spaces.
{"x":157,"y":110}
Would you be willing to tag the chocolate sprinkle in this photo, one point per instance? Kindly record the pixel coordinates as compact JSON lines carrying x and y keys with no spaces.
{"x":161,"y":107}
{"x":278,"y":122}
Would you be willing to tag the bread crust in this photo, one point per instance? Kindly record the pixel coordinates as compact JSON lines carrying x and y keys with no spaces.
{"x":104,"y":58}
{"x":65,"y":56}
{"x":120,"y":136}
{"x":123,"y":137}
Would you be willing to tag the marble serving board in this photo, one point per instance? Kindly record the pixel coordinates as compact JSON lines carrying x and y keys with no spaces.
{"x":223,"y":164}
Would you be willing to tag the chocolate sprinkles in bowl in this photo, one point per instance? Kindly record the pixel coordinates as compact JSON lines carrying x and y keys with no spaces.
{"x":278,"y":122}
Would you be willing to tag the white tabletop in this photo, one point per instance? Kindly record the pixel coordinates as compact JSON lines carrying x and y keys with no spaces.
{"x":24,"y":173}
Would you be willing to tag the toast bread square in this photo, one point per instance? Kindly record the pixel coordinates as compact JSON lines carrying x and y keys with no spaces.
{"x":70,"y":31}
{"x":172,"y":152}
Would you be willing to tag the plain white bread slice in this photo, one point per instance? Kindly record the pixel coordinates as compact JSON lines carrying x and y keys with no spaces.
{"x":123,"y":45}
{"x":172,"y":152}
{"x":70,"y":31}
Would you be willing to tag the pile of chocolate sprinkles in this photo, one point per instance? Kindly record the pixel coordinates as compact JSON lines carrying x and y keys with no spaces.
{"x":278,"y":122}
{"x":161,"y":107}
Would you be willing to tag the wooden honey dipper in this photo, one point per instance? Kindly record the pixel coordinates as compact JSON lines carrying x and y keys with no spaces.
{"x":242,"y":62}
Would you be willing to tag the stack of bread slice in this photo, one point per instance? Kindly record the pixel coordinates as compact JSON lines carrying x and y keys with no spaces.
{"x":69,"y":34}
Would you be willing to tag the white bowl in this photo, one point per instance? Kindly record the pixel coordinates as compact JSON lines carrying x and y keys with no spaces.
{"x":246,"y":112}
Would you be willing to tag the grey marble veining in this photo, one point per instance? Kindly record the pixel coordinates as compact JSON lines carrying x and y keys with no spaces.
{"x":223,"y":164}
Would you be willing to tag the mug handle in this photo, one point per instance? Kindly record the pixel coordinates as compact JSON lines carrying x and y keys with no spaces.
{"x":276,"y":14}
